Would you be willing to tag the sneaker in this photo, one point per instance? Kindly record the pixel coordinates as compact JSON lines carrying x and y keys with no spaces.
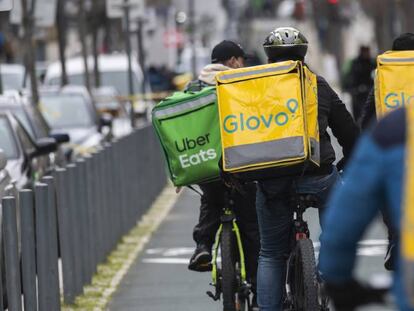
{"x":201,"y":259}
{"x":389,"y":257}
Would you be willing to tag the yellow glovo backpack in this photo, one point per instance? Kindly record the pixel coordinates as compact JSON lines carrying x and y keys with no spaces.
{"x":407,"y":223}
{"x":268,"y":120}
{"x":394,"y":81}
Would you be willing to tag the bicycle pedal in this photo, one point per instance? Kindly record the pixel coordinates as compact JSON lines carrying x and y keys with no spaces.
{"x":212,"y":296}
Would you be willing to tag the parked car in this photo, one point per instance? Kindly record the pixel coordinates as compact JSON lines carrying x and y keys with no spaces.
{"x":21,"y":151}
{"x":107,"y":101}
{"x":113,"y":72}
{"x":70,"y":110}
{"x":34,"y":123}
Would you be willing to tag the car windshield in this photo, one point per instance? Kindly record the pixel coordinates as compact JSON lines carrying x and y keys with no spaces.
{"x":23,"y":118}
{"x":7,"y":140}
{"x":12,"y":81}
{"x":116,"y":79}
{"x":66,"y":111}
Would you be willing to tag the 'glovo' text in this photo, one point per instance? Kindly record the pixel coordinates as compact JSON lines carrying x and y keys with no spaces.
{"x":233,"y":123}
{"x":396,"y":100}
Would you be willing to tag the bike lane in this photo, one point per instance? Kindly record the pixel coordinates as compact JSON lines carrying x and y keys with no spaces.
{"x":160,"y":281}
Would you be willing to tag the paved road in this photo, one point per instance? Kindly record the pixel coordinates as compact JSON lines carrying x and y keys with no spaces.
{"x":160,"y":281}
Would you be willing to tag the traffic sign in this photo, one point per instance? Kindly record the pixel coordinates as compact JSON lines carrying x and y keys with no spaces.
{"x":115,"y":8}
{"x":45,"y":13}
{"x":173,"y":39}
{"x":6,"y":5}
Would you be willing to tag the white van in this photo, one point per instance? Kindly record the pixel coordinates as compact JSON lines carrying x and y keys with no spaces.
{"x":113,"y":72}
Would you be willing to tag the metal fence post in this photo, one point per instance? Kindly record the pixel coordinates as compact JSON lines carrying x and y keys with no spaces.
{"x":90,"y":208}
{"x":99,"y":189}
{"x":11,"y":254}
{"x":73,"y":201}
{"x":53,"y":274}
{"x":65,"y":235}
{"x":46,"y":294}
{"x":83,"y":221}
{"x":28,"y":249}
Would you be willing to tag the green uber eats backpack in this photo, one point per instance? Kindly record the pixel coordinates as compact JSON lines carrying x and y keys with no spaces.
{"x":187,"y":126}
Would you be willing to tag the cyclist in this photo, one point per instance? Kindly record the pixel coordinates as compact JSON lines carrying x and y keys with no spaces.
{"x":273,"y":202}
{"x":225,"y":55}
{"x":374,"y":176}
{"x":404,"y":42}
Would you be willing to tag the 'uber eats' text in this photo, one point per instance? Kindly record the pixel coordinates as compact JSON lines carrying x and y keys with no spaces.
{"x":187,"y":144}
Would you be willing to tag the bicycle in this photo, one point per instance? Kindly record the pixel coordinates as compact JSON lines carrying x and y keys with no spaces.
{"x":229,"y":278}
{"x":302,"y":284}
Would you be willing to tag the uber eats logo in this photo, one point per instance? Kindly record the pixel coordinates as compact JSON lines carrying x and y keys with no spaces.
{"x":233,"y":123}
{"x":396,"y":100}
{"x":189,"y":145}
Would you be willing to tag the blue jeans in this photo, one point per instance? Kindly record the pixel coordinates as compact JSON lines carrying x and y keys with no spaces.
{"x":275,"y":215}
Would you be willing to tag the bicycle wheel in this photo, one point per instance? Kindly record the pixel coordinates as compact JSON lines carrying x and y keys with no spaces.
{"x":305,"y":283}
{"x":228,"y":271}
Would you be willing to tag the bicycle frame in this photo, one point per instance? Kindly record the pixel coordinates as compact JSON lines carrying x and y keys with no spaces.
{"x":228,"y":217}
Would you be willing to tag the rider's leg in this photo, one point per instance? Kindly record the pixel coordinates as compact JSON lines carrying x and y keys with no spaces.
{"x":274,"y":213}
{"x":319,"y":185}
{"x":247,"y":221}
{"x":209,"y":220}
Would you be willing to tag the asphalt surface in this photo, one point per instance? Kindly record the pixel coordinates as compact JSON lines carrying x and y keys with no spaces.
{"x":159,"y":279}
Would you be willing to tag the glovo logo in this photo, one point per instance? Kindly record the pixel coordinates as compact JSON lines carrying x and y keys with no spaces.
{"x":234,"y":123}
{"x":395,"y":100}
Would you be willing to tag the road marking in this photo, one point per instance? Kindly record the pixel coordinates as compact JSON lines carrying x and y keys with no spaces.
{"x":167,"y":260}
{"x":174,"y":255}
{"x":177,"y":251}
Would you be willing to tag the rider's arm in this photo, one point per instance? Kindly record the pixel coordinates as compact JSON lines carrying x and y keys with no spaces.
{"x":352,"y":207}
{"x":368,"y":111}
{"x":340,"y":120}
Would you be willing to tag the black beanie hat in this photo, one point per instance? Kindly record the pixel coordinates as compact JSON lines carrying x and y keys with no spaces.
{"x":404,"y":42}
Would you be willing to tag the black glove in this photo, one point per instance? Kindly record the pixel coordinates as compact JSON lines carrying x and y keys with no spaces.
{"x":348,"y":295}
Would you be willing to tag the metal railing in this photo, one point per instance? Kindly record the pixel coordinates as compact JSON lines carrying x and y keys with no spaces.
{"x":78,"y":215}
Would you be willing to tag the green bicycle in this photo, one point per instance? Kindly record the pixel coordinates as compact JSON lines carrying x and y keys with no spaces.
{"x":229,"y":275}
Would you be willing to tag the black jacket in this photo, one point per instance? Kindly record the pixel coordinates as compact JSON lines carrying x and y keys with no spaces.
{"x":333,"y":113}
{"x":368,"y":111}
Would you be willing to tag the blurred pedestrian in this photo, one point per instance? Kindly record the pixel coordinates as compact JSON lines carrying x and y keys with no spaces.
{"x":373,"y":182}
{"x":359,"y":81}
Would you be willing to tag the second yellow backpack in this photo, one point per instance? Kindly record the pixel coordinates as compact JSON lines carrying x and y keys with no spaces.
{"x":394,"y":81}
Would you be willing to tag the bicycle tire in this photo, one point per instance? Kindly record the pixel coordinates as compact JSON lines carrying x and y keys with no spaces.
{"x":228,"y":271}
{"x":305,"y":285}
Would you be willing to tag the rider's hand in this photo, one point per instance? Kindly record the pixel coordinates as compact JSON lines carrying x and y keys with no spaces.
{"x":348,"y":295}
{"x":178,"y":189}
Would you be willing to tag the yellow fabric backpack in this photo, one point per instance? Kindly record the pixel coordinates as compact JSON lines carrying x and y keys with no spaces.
{"x":394,"y":81}
{"x":268,"y":118}
{"x":407,"y":223}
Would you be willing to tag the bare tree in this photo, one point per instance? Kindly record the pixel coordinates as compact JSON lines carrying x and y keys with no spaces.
{"x":82,"y":35}
{"x":29,"y":47}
